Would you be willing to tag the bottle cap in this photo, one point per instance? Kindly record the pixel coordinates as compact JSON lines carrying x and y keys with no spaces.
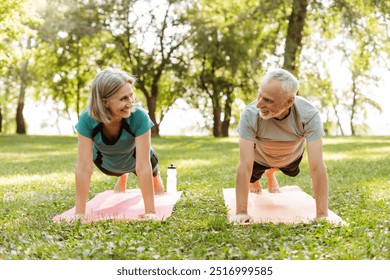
{"x":172,"y":166}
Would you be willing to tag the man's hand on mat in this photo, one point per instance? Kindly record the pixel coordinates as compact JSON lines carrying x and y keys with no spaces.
{"x":330,"y":220}
{"x":80,"y":217}
{"x":242,"y":219}
{"x":149,"y":217}
{"x":323,"y":218}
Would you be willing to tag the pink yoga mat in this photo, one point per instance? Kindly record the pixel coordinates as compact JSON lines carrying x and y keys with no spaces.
{"x":291,"y":205}
{"x":127,"y":206}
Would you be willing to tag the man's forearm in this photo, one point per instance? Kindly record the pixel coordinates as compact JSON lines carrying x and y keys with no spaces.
{"x":320,"y":188}
{"x":242,"y":191}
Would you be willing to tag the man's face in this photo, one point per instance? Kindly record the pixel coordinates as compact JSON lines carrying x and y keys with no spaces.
{"x":272,"y":101}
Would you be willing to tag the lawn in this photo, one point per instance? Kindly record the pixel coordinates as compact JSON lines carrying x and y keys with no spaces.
{"x":37,"y":183}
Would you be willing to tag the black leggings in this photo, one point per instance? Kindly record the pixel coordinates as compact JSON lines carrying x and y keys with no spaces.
{"x":291,"y":170}
{"x":153,"y":161}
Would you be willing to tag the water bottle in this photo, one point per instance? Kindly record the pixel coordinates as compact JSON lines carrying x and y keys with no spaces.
{"x":171,"y":179}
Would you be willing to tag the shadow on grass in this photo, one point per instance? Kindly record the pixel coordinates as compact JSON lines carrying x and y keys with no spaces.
{"x":355,"y":144}
{"x":34,"y":155}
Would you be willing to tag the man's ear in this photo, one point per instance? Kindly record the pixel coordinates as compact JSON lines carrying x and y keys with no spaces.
{"x":291,"y":100}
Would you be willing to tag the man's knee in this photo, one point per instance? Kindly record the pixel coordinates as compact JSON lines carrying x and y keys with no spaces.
{"x":291,"y":173}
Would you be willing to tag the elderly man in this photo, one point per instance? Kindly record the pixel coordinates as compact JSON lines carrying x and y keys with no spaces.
{"x":273,"y":131}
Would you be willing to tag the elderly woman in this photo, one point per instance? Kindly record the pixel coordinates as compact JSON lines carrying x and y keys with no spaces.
{"x":114,"y":133}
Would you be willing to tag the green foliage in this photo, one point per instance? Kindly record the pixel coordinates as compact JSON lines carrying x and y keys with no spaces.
{"x":212,"y":53}
{"x":17,"y":19}
{"x":72,"y":43}
{"x":229,"y":39}
{"x":357,"y":33}
{"x":37,"y":183}
{"x":150,"y":41}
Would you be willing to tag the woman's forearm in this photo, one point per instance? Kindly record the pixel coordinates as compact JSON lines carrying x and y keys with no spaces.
{"x":83,"y":181}
{"x":145,"y":179}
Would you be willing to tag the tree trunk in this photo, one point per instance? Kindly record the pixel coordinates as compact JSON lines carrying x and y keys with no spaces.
{"x":151,"y":103}
{"x":353,"y":107}
{"x":228,"y":115}
{"x":293,"y":44}
{"x":1,"y":121}
{"x":20,"y":123}
{"x":217,"y":127}
{"x":337,"y":115}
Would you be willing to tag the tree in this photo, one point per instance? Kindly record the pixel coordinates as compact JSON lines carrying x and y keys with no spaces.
{"x":353,"y":33}
{"x":363,"y":30}
{"x":149,"y":39}
{"x":293,"y":45}
{"x":314,"y":69}
{"x":17,"y":38}
{"x":73,"y":43}
{"x":13,"y":17}
{"x":24,"y":82}
{"x":229,"y":40}
{"x":215,"y":50}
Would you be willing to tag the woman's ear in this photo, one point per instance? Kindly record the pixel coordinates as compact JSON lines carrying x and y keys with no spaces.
{"x":106,"y":103}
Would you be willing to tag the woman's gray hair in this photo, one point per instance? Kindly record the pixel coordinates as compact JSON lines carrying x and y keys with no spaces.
{"x":104,"y":86}
{"x":290,"y":84}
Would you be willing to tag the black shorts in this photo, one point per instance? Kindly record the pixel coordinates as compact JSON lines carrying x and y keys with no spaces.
{"x":153,"y":161}
{"x":291,"y":170}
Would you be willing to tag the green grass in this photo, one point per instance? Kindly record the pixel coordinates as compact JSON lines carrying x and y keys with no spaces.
{"x":37,"y":183}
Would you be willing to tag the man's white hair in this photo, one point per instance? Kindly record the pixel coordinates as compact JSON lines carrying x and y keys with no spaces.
{"x":290,"y":84}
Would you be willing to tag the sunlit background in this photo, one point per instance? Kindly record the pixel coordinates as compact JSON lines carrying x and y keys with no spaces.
{"x":328,"y":55}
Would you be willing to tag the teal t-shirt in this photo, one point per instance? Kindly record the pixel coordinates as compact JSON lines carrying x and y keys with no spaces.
{"x":115,"y":156}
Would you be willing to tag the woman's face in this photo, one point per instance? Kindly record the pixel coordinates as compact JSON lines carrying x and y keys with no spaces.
{"x":121,"y":104}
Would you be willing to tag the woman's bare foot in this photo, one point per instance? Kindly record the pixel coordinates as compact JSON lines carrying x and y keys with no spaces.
{"x":255,"y":187}
{"x":158,"y":185}
{"x":273,"y":185}
{"x":120,"y":185}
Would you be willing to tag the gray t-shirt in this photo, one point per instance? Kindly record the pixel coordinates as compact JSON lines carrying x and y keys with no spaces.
{"x":279,"y":142}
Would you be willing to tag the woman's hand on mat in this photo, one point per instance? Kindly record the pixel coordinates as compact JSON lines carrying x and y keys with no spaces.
{"x":242,"y":219}
{"x":320,"y":218}
{"x":149,"y":217}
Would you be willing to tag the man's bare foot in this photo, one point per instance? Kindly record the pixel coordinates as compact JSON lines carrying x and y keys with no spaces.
{"x":255,"y":187}
{"x":120,"y":185}
{"x":273,"y":185}
{"x":158,"y":185}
